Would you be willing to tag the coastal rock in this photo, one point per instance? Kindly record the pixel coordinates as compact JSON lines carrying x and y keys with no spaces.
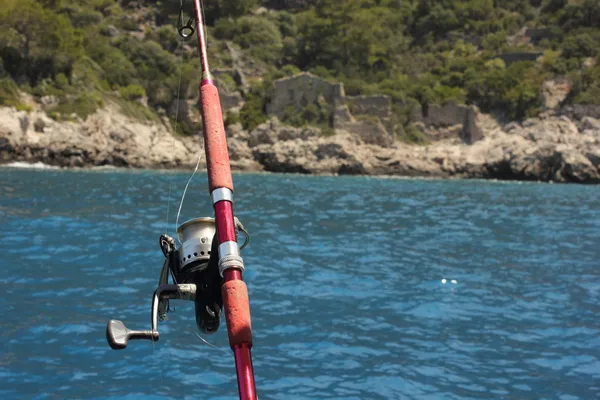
{"x":265,"y":133}
{"x":320,"y":155}
{"x":549,"y":148}
{"x":554,"y":92}
{"x":589,"y":123}
{"x":104,"y":138}
{"x":573,"y":166}
{"x":274,"y":131}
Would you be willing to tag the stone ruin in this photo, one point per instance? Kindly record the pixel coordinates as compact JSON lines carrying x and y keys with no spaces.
{"x":368,"y":117}
{"x":450,"y":121}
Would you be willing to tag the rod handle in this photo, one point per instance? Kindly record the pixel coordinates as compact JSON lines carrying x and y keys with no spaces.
{"x":237,"y":312}
{"x":215,"y":141}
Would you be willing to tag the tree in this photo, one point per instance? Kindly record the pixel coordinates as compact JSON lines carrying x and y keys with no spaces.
{"x":216,"y":9}
{"x":353,"y":38}
{"x":37,"y":43}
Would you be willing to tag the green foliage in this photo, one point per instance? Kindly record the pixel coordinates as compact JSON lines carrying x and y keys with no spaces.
{"x":116,"y":68}
{"x":353,"y":38}
{"x":580,"y":46}
{"x":253,"y":112}
{"x":515,"y":91}
{"x":9,"y":95}
{"x":36,"y":43}
{"x":155,"y":69}
{"x":311,"y":114}
{"x":418,"y":52}
{"x":411,"y":135}
{"x":232,"y":118}
{"x":226,"y":82}
{"x":584,"y":13}
{"x":132,"y":92}
{"x":586,"y":88}
{"x":221,"y":9}
{"x":81,"y":106}
{"x":82,"y":18}
{"x":135,"y":110}
{"x":248,"y":32}
{"x":285,"y":71}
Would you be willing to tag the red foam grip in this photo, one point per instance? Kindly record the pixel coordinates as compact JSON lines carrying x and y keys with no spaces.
{"x":237,"y":312}
{"x":217,"y":157}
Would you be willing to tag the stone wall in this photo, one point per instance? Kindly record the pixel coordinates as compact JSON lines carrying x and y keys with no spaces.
{"x":377,"y":105}
{"x":449,"y":115}
{"x":287,"y":4}
{"x":536,"y":35}
{"x":371,"y":130}
{"x":445,"y":115}
{"x":510,"y":58}
{"x":303,"y":89}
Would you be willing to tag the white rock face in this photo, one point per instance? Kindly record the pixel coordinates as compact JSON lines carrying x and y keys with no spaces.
{"x":548,"y":148}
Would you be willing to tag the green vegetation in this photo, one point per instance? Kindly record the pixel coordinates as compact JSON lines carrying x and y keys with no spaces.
{"x":132,"y":92}
{"x":252,"y":113}
{"x":9,"y":95}
{"x":87,"y":54}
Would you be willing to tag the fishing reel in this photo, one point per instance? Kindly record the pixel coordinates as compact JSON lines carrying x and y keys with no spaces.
{"x":194,"y":270}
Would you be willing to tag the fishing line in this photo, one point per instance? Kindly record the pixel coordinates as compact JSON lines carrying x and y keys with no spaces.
{"x":200,"y":156}
{"x":184,"y":192}
{"x":211,"y":345}
{"x":204,"y":25}
{"x":175,"y":133}
{"x":181,"y":52}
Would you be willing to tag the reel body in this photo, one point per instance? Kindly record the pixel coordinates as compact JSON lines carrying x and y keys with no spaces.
{"x":194,"y":270}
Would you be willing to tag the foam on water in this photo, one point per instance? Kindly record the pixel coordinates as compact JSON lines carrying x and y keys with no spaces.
{"x":25,"y":165}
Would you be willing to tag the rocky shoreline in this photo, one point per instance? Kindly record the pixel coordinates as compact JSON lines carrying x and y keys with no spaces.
{"x":557,"y":147}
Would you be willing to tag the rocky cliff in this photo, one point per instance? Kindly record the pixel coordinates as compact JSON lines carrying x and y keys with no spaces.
{"x":553,"y":147}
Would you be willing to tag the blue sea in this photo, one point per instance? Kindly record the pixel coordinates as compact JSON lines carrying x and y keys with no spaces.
{"x":360,"y":288}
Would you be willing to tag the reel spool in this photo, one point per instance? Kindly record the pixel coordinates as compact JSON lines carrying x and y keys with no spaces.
{"x":196,"y":236}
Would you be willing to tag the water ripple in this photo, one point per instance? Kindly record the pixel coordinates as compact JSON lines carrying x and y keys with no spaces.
{"x":346,"y":280}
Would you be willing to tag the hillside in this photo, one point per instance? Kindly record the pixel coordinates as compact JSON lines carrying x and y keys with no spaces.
{"x":356,"y":85}
{"x":78,"y":56}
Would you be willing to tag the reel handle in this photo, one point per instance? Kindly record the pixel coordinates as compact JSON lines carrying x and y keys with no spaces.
{"x":118,"y":335}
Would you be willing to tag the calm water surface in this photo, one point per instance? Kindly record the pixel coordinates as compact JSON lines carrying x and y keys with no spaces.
{"x":345,"y":279}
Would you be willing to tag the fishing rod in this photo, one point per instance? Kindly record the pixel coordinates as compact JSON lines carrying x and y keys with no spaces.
{"x":207,"y":267}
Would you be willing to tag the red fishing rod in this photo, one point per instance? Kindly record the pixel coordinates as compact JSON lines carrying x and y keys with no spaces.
{"x":220,"y":183}
{"x":206,"y":267}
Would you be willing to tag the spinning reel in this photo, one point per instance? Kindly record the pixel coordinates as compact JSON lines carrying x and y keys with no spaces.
{"x":194,"y":269}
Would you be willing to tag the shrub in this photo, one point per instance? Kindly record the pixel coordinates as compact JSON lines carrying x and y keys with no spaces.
{"x":38,"y":43}
{"x":231,"y":118}
{"x":9,"y":95}
{"x":586,"y":87}
{"x":83,"y":105}
{"x":253,"y":113}
{"x":117,"y":69}
{"x":222,"y":9}
{"x":580,"y":46}
{"x":84,"y":17}
{"x":410,"y":134}
{"x":132,"y":92}
{"x":261,"y":36}
{"x":61,"y":81}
